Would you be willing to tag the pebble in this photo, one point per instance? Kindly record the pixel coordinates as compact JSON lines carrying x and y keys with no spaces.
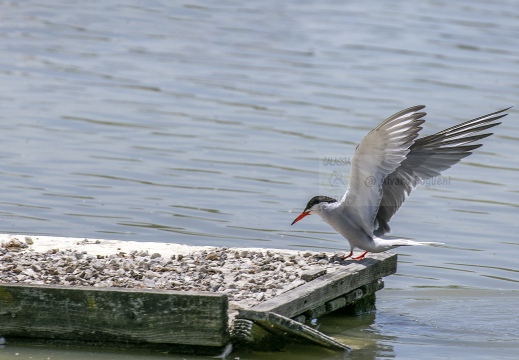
{"x":247,"y":277}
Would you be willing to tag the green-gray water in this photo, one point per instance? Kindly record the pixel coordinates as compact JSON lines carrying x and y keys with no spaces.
{"x":203,"y":123}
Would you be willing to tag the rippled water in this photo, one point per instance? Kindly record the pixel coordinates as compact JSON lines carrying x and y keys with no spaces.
{"x":204,"y":123}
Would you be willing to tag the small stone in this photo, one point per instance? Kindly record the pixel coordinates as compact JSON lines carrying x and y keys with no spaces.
{"x":14,"y":244}
{"x":36,"y":267}
{"x":29,"y":272}
{"x":28,"y":240}
{"x":296,"y":283}
{"x":148,"y":283}
{"x":320,"y":256}
{"x":211,"y":256}
{"x":98,"y":265}
{"x":155,"y":255}
{"x":311,"y":274}
{"x":87,"y":274}
{"x":270,"y":284}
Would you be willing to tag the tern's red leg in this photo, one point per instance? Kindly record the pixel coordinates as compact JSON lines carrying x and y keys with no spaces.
{"x":347,"y":256}
{"x":361,"y":256}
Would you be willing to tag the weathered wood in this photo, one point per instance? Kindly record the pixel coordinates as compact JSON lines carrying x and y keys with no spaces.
{"x":354,"y":296}
{"x":353,"y":299}
{"x":247,"y":332}
{"x":185,"y":320}
{"x":316,"y":312}
{"x":329,"y":286}
{"x":282,"y":327}
{"x":264,"y":325}
{"x":114,"y":314}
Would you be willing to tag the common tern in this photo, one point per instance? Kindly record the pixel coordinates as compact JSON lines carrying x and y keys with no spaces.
{"x":387,"y":165}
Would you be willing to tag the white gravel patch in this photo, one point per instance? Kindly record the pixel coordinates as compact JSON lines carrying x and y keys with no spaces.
{"x":247,"y":276}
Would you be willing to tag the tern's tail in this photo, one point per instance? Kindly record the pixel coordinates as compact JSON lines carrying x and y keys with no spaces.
{"x":387,"y":244}
{"x":427,"y":243}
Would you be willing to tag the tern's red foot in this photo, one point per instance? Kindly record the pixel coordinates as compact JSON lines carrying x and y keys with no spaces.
{"x":347,"y":256}
{"x":361,"y":256}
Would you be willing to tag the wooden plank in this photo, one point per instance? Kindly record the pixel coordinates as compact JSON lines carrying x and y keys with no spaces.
{"x":281,"y":326}
{"x":353,"y":296}
{"x":114,"y":314}
{"x":267,"y":330}
{"x":329,"y":286}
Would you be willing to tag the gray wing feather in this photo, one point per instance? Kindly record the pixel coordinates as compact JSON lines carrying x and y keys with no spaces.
{"x":379,"y":153}
{"x":427,"y":158}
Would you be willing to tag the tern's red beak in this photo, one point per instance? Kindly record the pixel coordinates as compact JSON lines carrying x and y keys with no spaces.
{"x":302,"y":215}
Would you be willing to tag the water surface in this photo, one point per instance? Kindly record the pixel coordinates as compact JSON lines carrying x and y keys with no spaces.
{"x":204,"y":123}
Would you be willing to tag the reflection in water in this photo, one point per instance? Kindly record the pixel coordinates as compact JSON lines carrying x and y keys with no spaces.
{"x":362,"y":333}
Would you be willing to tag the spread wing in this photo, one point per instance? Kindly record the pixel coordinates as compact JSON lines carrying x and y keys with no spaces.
{"x":380,"y":152}
{"x":427,"y":158}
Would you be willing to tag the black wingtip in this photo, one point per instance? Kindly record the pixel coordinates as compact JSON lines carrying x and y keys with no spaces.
{"x":499,"y":112}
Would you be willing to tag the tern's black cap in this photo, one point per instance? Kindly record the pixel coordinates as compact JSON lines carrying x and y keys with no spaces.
{"x":318,"y":200}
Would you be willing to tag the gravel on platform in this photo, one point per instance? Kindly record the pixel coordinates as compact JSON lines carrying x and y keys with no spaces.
{"x":247,"y":277}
